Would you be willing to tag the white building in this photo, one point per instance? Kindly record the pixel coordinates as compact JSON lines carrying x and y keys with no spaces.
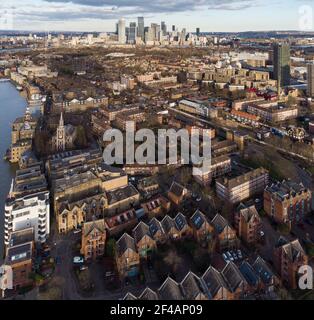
{"x":121,"y":31}
{"x":26,"y":212}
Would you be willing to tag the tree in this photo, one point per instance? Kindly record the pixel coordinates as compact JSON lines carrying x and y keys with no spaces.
{"x":111,"y":248}
{"x":81,"y":140}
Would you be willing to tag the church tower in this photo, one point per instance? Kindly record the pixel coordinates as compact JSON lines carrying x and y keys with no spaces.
{"x":60,"y":138}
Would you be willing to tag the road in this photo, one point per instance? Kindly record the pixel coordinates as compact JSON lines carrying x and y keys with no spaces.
{"x":243,"y":130}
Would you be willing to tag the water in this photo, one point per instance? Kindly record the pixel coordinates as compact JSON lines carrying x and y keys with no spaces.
{"x":12,"y":105}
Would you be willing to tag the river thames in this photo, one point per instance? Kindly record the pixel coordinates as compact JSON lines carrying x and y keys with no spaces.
{"x":12,"y":105}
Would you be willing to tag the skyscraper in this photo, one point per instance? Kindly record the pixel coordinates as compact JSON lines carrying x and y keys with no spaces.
{"x":282,"y":64}
{"x":198,"y":31}
{"x":132,"y":32}
{"x":121,"y":31}
{"x":163,"y":28}
{"x":173,"y":28}
{"x":310,"y":80}
{"x":140,"y":28}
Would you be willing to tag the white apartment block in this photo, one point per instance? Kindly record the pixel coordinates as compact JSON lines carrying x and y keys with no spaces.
{"x":31,"y":211}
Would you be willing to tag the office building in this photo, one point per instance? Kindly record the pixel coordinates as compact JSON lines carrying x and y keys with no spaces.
{"x":164,"y":28}
{"x":282,"y":64}
{"x":140,"y":28}
{"x":132,"y":32}
{"x":310,"y":80}
{"x":198,"y":32}
{"x":121,"y":31}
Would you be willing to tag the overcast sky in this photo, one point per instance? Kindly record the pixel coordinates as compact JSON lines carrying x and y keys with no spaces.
{"x":101,"y":15}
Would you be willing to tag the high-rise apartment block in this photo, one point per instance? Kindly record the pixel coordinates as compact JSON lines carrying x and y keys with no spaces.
{"x":282,"y":64}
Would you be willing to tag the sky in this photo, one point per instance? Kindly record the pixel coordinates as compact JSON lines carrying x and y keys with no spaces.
{"x":208,"y":15}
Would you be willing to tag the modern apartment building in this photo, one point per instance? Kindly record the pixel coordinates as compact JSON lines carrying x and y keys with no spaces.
{"x":28,"y":211}
{"x":235,"y":190}
{"x":282,"y":64}
{"x":310,"y":80}
{"x":287,"y":202}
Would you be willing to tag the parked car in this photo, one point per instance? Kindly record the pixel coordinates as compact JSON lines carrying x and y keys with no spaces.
{"x":77,"y":231}
{"x":240,"y":254}
{"x":225,"y":257}
{"x":229,"y":256}
{"x":235,"y":257}
{"x":82,"y":268}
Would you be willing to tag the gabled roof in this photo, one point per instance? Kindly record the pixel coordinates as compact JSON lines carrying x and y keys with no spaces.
{"x":192,"y":286}
{"x":177,"y":189}
{"x":170,"y":290}
{"x":263,"y":270}
{"x":129,"y":296}
{"x":180,"y":221}
{"x":148,"y":294}
{"x":124,"y":243}
{"x":233,"y":276}
{"x":249,"y":274}
{"x":249,"y":214}
{"x":140,"y":231}
{"x":198,"y":219}
{"x":220,"y":223}
{"x":293,"y":250}
{"x":88,"y":227}
{"x":155,"y":226}
{"x":213,"y":281}
{"x":167,"y":223}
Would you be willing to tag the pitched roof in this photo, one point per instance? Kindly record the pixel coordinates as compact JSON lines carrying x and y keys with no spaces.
{"x":192,"y":286}
{"x":170,"y":290}
{"x":129,"y":296}
{"x":155,"y":226}
{"x":213,"y":281}
{"x":167,"y":223}
{"x":88,"y":227}
{"x":176,"y":189}
{"x":148,"y":294}
{"x":219,"y":223}
{"x":249,"y":274}
{"x":249,"y":213}
{"x":293,"y":249}
{"x":180,"y":221}
{"x":140,"y":231}
{"x":263,"y":270}
{"x":233,"y":276}
{"x":124,"y":243}
{"x":198,"y":219}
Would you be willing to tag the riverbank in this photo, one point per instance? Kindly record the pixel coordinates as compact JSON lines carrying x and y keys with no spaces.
{"x":12,"y":105}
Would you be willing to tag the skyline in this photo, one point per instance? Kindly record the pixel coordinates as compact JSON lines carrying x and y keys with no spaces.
{"x":101,"y":15}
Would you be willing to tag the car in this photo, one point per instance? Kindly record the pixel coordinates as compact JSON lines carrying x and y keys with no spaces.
{"x":239,"y":254}
{"x":229,"y":256}
{"x":199,"y":199}
{"x":235,"y":257}
{"x":77,"y":231}
{"x":309,"y":221}
{"x":78,"y":260}
{"x":262,"y":233}
{"x":82,"y":268}
{"x":58,"y":261}
{"x":225,"y":257}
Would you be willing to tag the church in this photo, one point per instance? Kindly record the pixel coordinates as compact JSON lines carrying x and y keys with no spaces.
{"x":64,"y":137}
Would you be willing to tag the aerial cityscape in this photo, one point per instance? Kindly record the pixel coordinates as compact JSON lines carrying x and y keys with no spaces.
{"x":156,"y":151}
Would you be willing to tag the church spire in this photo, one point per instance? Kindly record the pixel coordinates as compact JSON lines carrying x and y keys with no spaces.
{"x":61,"y":122}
